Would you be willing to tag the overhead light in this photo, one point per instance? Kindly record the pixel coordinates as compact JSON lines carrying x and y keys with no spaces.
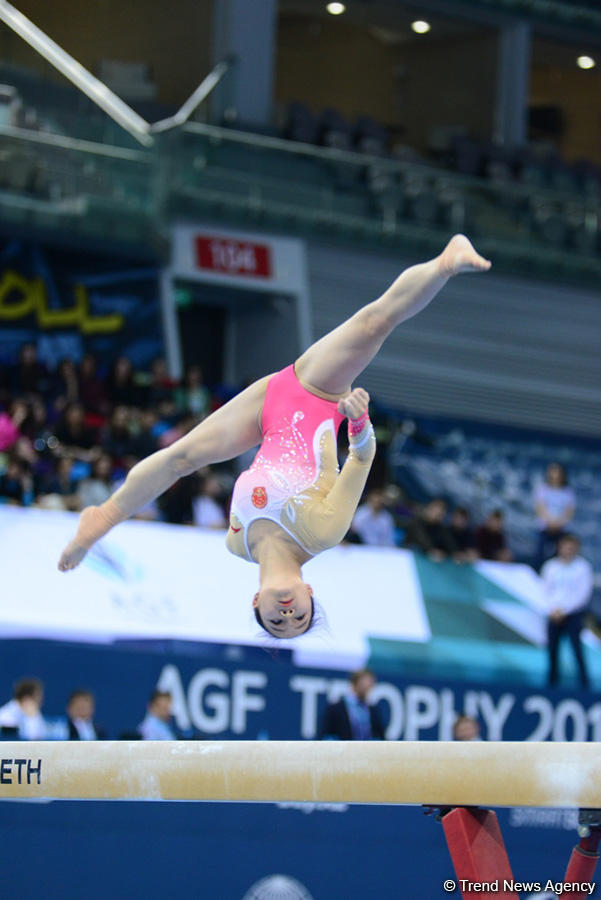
{"x":421,"y":27}
{"x":336,"y":9}
{"x":586,"y":62}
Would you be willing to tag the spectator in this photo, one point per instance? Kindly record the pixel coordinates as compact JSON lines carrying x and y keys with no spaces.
{"x":80,"y":718}
{"x":16,"y":484}
{"x":193,"y":397}
{"x":95,"y":490}
{"x":352,"y":718}
{"x":64,"y":386}
{"x":22,"y":716}
{"x":567,"y":588}
{"x":491,"y":542}
{"x":462,"y":535}
{"x":91,"y":388}
{"x":208,"y":512}
{"x":117,"y":440}
{"x":466,"y":728}
{"x":156,"y":725}
{"x":373,"y":523}
{"x":144,"y":440}
{"x":75,"y":437}
{"x":62,"y":483}
{"x":554,"y":503}
{"x":428,"y":532}
{"x":121,"y":387}
{"x":30,"y":376}
{"x":176,"y":503}
{"x":162,"y":386}
{"x":11,"y":424}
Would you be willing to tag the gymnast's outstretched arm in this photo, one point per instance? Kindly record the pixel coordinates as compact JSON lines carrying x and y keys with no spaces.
{"x":231,"y":430}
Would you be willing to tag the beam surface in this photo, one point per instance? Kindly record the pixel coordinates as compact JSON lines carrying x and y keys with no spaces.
{"x":404,"y":772}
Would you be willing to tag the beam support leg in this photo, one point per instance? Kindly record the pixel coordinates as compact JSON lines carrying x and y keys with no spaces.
{"x":585,"y":855}
{"x":478,"y":852}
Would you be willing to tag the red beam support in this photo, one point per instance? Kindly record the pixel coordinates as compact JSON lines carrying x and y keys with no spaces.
{"x":478,"y":852}
{"x":583,"y":862}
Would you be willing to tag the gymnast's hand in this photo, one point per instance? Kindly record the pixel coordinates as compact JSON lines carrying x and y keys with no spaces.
{"x":355,"y":404}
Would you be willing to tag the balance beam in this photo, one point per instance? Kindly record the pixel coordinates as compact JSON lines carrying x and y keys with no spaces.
{"x":431,"y":773}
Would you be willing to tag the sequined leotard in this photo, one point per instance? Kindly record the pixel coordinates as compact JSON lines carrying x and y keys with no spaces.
{"x":294,"y":478}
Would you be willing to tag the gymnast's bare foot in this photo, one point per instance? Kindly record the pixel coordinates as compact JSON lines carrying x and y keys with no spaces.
{"x":459,"y":256}
{"x":74,"y":552}
{"x":71,"y":557}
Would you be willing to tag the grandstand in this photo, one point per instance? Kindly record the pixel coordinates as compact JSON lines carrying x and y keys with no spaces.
{"x":189,"y":198}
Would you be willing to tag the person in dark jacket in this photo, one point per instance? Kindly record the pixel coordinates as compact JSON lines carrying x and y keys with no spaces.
{"x":428,"y":532}
{"x":80,"y":718}
{"x":353,"y":718}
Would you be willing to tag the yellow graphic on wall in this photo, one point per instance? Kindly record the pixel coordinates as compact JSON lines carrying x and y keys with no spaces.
{"x":21,"y":297}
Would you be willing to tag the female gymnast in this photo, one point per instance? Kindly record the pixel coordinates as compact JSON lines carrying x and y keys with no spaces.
{"x":291,"y":503}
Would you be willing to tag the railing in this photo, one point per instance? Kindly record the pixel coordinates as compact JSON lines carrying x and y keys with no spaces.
{"x":206,"y":171}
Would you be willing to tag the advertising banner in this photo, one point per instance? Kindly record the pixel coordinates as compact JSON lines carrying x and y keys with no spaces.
{"x":392,"y":609}
{"x":69,"y":302}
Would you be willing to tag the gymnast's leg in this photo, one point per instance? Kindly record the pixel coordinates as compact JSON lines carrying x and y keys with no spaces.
{"x":333,"y":362}
{"x":231,"y":430}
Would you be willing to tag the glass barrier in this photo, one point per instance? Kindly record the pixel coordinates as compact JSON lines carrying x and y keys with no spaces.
{"x":206,"y":171}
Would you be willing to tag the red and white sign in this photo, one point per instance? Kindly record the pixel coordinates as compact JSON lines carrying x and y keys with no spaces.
{"x":221,"y":254}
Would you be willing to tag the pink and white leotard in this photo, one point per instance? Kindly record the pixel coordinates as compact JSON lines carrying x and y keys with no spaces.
{"x":292,"y":480}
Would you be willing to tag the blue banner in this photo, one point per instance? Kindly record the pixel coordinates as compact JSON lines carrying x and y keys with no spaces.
{"x":329,"y":851}
{"x":71,"y":301}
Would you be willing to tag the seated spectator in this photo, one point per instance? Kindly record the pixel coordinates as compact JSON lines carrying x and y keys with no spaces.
{"x":144,"y":438}
{"x":207,"y":510}
{"x":156,"y":725}
{"x":61,"y":483}
{"x":64,"y":385}
{"x":92,"y":393}
{"x":554,"y":503}
{"x":117,"y":439}
{"x":372,"y":522}
{"x":428,"y":532}
{"x":30,"y":375}
{"x":98,"y":488}
{"x":75,"y":438}
{"x":80,"y":718}
{"x":11,"y":423}
{"x":491,"y":542}
{"x":466,"y":728}
{"x":193,"y":397}
{"x":352,"y":718}
{"x":16,"y":484}
{"x":463,"y":536}
{"x":121,"y":387}
{"x":176,"y":503}
{"x":22,"y":716}
{"x":162,"y":387}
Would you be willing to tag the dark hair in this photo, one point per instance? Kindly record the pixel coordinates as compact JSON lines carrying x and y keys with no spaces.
{"x":462,"y":510}
{"x":356,"y":676}
{"x":463,"y":717}
{"x":496,"y":514}
{"x":569,"y":536}
{"x":81,"y":692}
{"x":156,"y":695}
{"x":562,"y":469}
{"x":28,"y":687}
{"x":259,"y":619}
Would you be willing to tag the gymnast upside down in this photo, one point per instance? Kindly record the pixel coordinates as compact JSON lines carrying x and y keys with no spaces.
{"x":291,"y":504}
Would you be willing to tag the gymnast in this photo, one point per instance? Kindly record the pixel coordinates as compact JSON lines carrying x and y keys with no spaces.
{"x":291,"y":504}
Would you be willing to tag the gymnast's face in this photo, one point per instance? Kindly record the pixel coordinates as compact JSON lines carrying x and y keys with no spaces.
{"x":285,"y":611}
